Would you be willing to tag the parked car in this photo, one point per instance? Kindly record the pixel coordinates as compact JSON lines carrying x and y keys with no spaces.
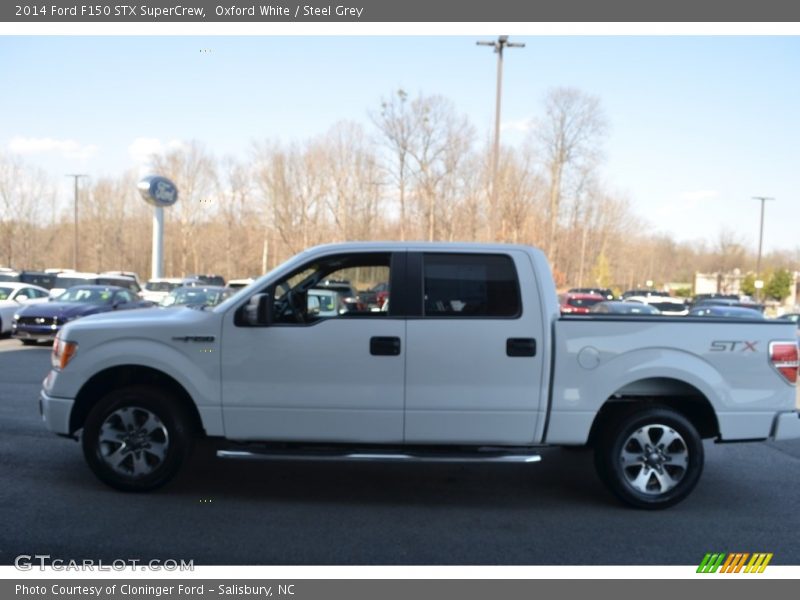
{"x":666,"y":305}
{"x":700,"y":297}
{"x":472,"y":363}
{"x":237,"y":284}
{"x":375,"y":297}
{"x":645,"y":292}
{"x":619,"y":307}
{"x":155,"y":290}
{"x":604,"y":292}
{"x":209,"y":295}
{"x":10,"y":275}
{"x":66,"y":280}
{"x":349,"y":297}
{"x":206,"y":279}
{"x":325,"y":303}
{"x":734,"y":302}
{"x":15,"y":295}
{"x":41,"y":322}
{"x":730,"y":312}
{"x":38,"y":278}
{"x":579,"y":304}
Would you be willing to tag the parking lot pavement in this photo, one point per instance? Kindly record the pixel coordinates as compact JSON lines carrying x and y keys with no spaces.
{"x":220,"y":512}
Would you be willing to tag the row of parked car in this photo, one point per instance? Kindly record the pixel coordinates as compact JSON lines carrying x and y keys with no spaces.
{"x":35,"y":304}
{"x":655,"y":302}
{"x":34,"y":312}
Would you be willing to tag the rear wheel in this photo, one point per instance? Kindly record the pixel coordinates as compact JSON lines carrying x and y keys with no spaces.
{"x":650,"y":458}
{"x":136,"y":439}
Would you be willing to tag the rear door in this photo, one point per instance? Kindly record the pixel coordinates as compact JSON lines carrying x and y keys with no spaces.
{"x":474,"y":363}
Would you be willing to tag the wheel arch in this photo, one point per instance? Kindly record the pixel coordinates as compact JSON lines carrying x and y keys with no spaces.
{"x":122,"y":376}
{"x":675,"y":394}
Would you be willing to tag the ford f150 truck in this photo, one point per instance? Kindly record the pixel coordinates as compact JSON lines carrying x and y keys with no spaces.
{"x":468,"y":360}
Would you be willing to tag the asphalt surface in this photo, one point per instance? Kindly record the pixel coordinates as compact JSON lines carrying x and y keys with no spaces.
{"x":227,"y":512}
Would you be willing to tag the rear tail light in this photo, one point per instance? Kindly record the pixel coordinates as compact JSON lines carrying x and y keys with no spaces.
{"x":784,"y":357}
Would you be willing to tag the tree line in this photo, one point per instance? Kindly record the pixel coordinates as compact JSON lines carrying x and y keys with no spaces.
{"x":416,"y":171}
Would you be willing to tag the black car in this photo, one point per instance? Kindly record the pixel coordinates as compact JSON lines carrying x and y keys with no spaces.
{"x":734,"y":301}
{"x":726,"y":312}
{"x":43,"y":321}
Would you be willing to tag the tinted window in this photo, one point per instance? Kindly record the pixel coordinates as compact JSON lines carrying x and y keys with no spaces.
{"x":470,"y":285}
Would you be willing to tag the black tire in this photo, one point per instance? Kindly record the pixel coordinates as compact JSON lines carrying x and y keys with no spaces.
{"x":28,"y":342}
{"x":156,"y":446}
{"x":656,"y":479}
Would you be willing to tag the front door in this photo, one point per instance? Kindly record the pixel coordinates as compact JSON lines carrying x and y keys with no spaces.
{"x":329,"y":369}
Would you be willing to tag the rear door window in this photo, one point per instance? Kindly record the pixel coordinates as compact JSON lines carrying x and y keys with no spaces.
{"x":470,"y":286}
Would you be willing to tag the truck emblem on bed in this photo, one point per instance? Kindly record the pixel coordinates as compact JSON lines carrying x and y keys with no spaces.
{"x":194,"y":338}
{"x":733,"y":346}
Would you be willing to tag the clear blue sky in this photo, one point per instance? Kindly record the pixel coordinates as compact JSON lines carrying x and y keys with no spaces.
{"x":698,"y":124}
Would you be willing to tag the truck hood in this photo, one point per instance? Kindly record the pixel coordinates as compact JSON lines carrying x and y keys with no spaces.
{"x":156,"y":323}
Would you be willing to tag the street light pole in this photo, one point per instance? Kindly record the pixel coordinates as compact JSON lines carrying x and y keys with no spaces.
{"x":763,"y":199}
{"x":498,"y":45}
{"x":76,"y":176}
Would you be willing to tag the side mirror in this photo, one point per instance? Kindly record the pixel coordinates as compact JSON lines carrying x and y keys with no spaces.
{"x":257,"y":312}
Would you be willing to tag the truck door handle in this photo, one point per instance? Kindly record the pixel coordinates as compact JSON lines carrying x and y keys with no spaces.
{"x":521,"y":347}
{"x":384,"y":346}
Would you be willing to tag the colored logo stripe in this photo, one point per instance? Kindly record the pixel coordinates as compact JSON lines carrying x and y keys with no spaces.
{"x":734,"y":562}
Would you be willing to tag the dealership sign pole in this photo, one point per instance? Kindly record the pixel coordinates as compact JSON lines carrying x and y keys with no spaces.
{"x":159,"y":192}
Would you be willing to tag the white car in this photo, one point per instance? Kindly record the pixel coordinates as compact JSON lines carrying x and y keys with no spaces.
{"x":666,"y":305}
{"x":13,"y":296}
{"x":155,"y":290}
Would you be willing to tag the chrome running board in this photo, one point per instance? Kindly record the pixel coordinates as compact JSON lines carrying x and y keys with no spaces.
{"x":436,"y":457}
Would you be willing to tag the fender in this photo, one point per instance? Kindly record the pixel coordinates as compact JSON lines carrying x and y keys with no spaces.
{"x":195,"y":366}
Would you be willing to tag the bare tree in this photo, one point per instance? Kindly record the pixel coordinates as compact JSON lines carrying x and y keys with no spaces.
{"x":569,"y":136}
{"x":396,"y":124}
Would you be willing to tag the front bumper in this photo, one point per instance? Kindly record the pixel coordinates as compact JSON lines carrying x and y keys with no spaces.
{"x":34,"y":333}
{"x":786,"y":426}
{"x":55,"y":412}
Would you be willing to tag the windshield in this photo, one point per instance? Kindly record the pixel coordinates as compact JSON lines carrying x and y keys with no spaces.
{"x":668,"y":306}
{"x":82,"y":295}
{"x":68,"y":282}
{"x":5,"y":292}
{"x":195,"y":297}
{"x":585,"y":302}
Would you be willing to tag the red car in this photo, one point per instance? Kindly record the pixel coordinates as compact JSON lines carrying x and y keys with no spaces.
{"x":578,"y":304}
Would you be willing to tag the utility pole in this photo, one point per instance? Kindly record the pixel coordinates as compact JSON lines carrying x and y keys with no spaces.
{"x":763,"y":199}
{"x":76,"y":176}
{"x":498,"y":45}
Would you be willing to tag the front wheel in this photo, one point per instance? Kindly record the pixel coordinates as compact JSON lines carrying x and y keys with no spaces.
{"x":650,"y":458}
{"x":135,"y":439}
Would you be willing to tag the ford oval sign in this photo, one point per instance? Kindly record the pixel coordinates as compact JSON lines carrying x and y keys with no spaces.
{"x":158,"y":191}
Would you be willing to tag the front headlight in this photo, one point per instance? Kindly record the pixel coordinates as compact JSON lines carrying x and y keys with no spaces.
{"x":63,"y":352}
{"x":16,"y":316}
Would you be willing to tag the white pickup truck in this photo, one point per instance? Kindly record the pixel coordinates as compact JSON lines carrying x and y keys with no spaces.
{"x":468,"y":360}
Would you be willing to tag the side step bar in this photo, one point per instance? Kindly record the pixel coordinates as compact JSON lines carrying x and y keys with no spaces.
{"x":435,"y":457}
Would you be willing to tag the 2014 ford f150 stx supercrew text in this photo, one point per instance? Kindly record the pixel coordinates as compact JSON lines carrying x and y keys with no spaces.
{"x":467,"y":359}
